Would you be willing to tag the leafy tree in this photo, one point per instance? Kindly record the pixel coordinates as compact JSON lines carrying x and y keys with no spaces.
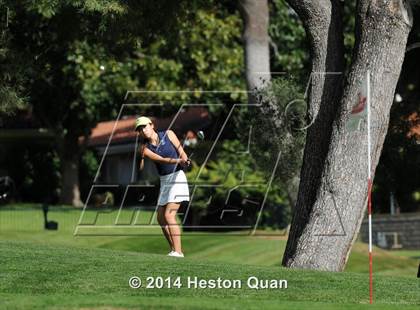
{"x":229,"y":170}
{"x":11,"y":73}
{"x":289,"y":45}
{"x":288,"y":42}
{"x":277,"y":130}
{"x":83,"y":56}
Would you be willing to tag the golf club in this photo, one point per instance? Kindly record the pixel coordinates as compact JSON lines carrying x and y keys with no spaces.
{"x":200,"y":136}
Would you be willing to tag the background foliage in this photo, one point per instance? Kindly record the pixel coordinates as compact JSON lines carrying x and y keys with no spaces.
{"x":66,"y":65}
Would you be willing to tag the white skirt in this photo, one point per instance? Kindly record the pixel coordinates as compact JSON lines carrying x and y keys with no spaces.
{"x":173,"y":188}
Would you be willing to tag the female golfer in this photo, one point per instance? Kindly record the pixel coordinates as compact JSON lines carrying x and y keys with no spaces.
{"x":164,"y":148}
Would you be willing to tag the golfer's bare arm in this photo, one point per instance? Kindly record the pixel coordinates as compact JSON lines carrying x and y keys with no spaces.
{"x":155,"y":157}
{"x":174,"y":139}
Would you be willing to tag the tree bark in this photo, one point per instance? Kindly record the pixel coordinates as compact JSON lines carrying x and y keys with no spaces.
{"x":255,"y":19}
{"x":70,"y":193}
{"x":332,"y":194}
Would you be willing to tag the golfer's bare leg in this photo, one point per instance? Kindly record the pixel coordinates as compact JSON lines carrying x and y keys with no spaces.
{"x":170,"y":216}
{"x":164,"y":225}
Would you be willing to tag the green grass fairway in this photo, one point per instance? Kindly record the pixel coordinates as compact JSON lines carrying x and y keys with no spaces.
{"x":21,"y":224}
{"x":40,"y":276}
{"x":40,"y":268}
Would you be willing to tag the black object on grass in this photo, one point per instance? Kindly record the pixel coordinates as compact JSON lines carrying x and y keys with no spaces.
{"x":49,"y":225}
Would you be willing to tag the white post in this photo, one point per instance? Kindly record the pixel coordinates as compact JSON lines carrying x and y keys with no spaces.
{"x":369,"y":188}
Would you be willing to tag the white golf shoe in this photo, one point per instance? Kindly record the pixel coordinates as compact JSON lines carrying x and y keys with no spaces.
{"x":176,"y":254}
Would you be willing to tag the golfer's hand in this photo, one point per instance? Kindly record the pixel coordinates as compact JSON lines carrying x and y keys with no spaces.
{"x":183,"y":162}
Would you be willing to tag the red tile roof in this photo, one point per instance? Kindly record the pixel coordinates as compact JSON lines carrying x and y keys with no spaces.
{"x":192,"y":118}
{"x":123,"y":131}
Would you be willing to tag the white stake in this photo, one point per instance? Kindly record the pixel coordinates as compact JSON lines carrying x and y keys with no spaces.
{"x":369,"y":188}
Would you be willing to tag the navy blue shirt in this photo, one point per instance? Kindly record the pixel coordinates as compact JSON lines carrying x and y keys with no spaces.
{"x":165,"y":148}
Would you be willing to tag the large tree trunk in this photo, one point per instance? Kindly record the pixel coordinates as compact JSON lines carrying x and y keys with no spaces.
{"x":332,"y":194}
{"x":70,"y":193}
{"x":255,"y":18}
